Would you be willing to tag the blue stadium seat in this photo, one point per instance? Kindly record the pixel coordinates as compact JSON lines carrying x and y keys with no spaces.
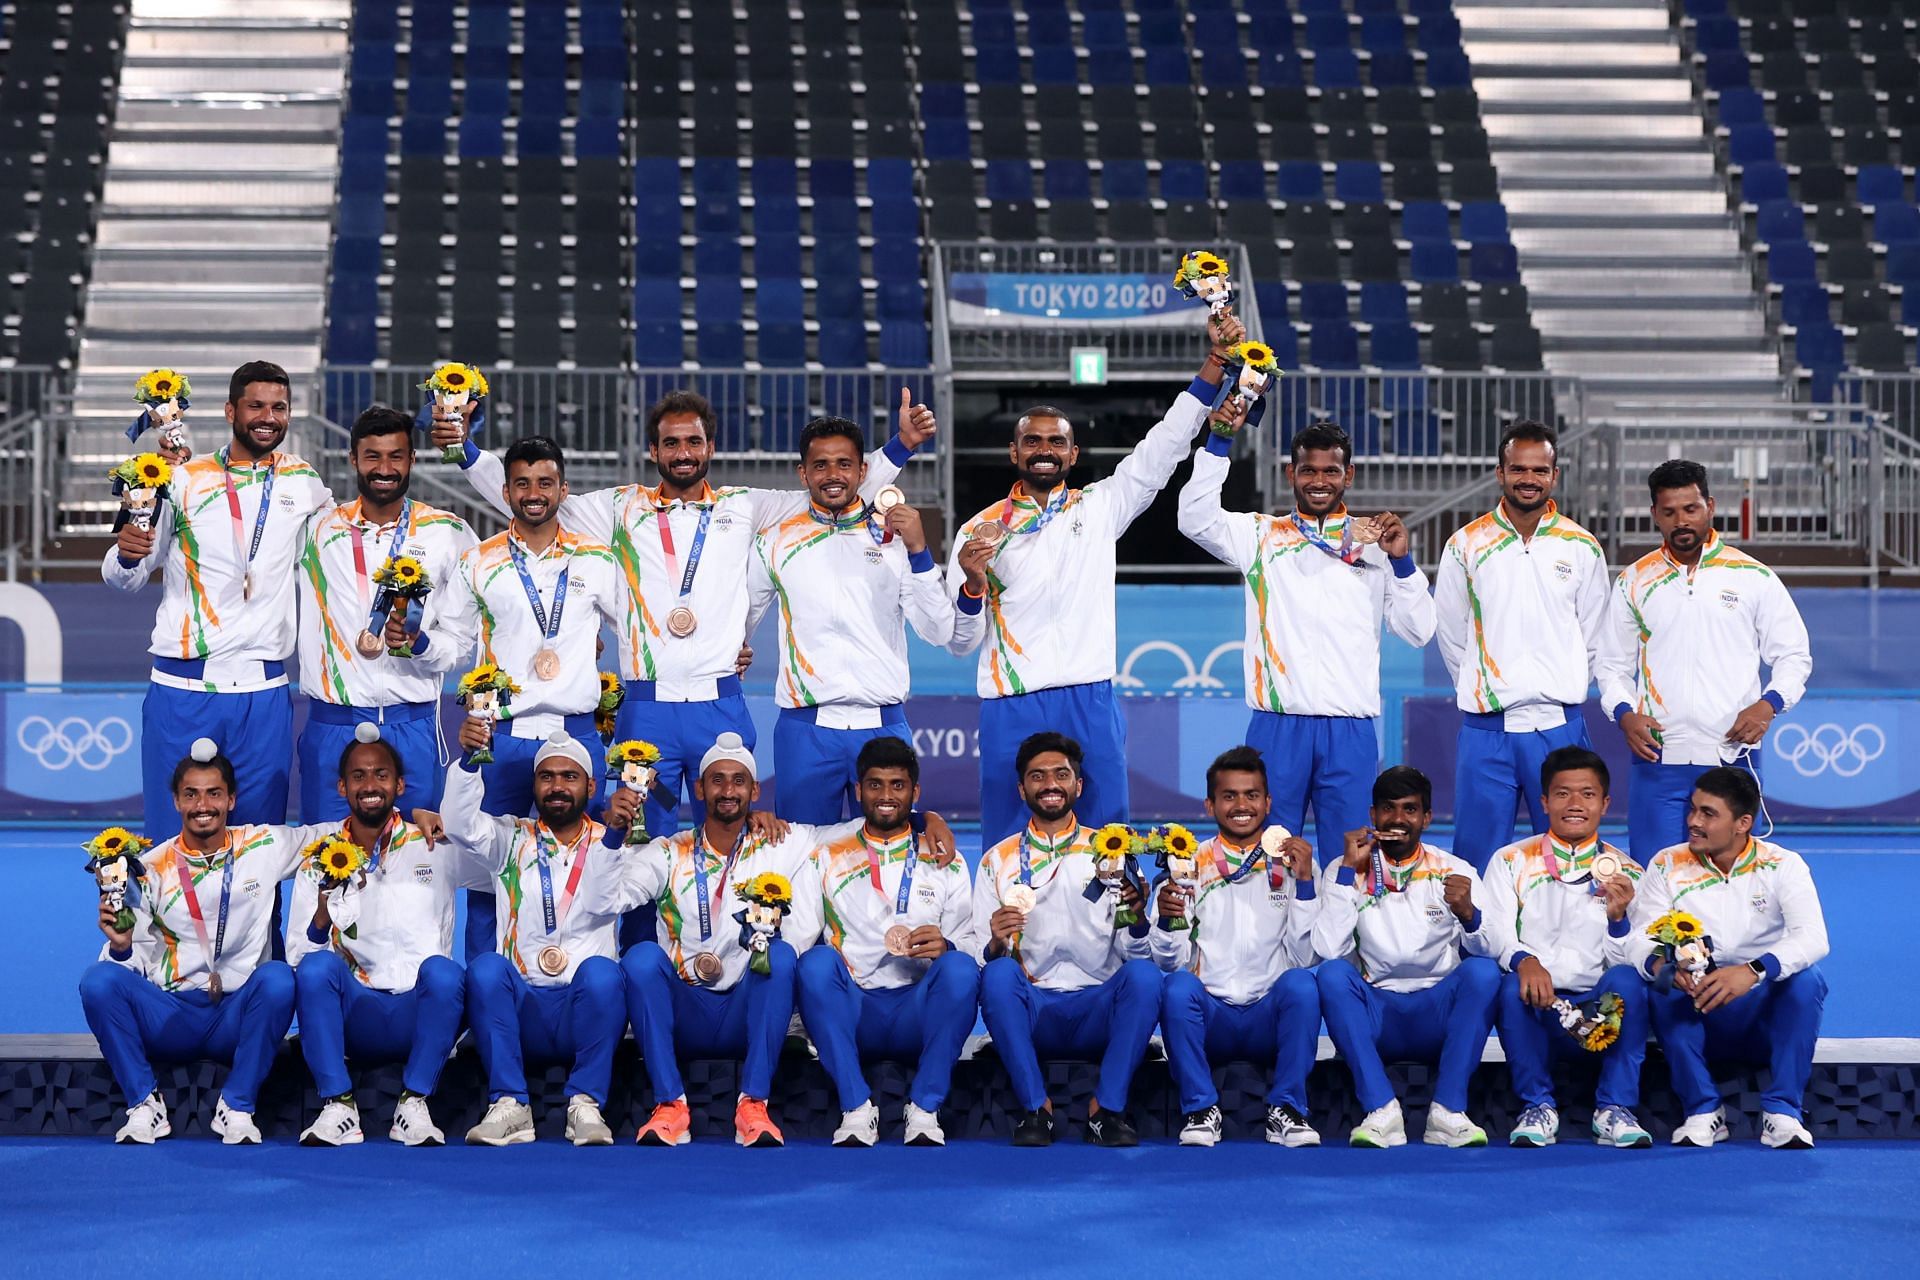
{"x":1110,"y":66}
{"x":1791,"y":264}
{"x":657,"y":343}
{"x":1383,"y":33}
{"x":1383,"y":302}
{"x":1483,"y":222}
{"x":1818,"y":346}
{"x":1750,"y":144}
{"x":777,"y":255}
{"x":1426,"y":220}
{"x":1879,"y":184}
{"x":1336,"y":69}
{"x":1902,"y":265}
{"x":1282,"y":69}
{"x":1328,"y":30}
{"x":1804,"y":304}
{"x":901,"y":300}
{"x":1124,"y":180}
{"x":1716,"y":35}
{"x":894,"y":216}
{"x":1168,"y":64}
{"x":1242,"y":180}
{"x":905,"y":343}
{"x":835,"y":216}
{"x":945,"y":139}
{"x":1275,"y":305}
{"x":1334,"y":345}
{"x":837,"y":258}
{"x":1323,"y":301}
{"x":776,"y":216}
{"x":1896,"y":224}
{"x":1439,"y":31}
{"x":716,"y":256}
{"x":1183,"y":180}
{"x":843,"y":343}
{"x":1052,"y":64}
{"x":1742,"y":106}
{"x":720,"y":342}
{"x":1727,"y":71}
{"x":1434,"y":262}
{"x":896,"y":258}
{"x":1069,"y":180}
{"x":1391,"y":69}
{"x":779,"y":301}
{"x":996,"y":64}
{"x":1358,"y":182}
{"x":1301,"y":180}
{"x":782,"y":346}
{"x":1779,"y":221}
{"x":1760,"y":183}
{"x":943,"y":100}
{"x":1448,"y":69}
{"x":1394,"y":345}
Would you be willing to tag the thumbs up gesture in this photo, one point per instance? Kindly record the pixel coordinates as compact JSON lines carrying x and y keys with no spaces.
{"x":916,"y":422}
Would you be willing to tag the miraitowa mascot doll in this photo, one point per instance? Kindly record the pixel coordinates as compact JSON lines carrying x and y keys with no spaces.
{"x":114,"y":860}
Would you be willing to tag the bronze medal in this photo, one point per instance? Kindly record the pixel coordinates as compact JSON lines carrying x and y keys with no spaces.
{"x":369,"y":645}
{"x":1606,"y":865}
{"x":546,"y":664}
{"x":214,"y":988}
{"x":887,"y":499}
{"x":897,"y":940}
{"x":681,"y":622}
{"x":552,"y":961}
{"x":1366,"y":530}
{"x":707,"y":967}
{"x":991,"y":532}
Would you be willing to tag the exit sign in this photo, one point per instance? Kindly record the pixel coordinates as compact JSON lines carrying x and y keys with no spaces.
{"x":1089,"y":366}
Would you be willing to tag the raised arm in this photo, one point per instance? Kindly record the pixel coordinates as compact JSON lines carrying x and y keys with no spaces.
{"x":1231,"y":537}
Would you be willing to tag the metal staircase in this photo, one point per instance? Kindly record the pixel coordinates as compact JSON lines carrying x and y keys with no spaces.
{"x":1638,"y":281}
{"x":215,"y":224}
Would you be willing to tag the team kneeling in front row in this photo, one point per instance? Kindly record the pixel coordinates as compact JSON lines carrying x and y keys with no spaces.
{"x":876,"y":931}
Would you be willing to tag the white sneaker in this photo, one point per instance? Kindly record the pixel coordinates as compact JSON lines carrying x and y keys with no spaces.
{"x":585,"y":1125}
{"x":508,"y":1123}
{"x":859,"y":1127}
{"x":1618,"y":1127}
{"x":923,"y":1128}
{"x":1537,"y":1127}
{"x":338,"y":1126}
{"x":1702,"y":1130}
{"x":413,"y":1124}
{"x":1451,"y":1129}
{"x":1202,"y":1128}
{"x":146,"y":1122}
{"x":234,"y":1127}
{"x":1383,"y":1128}
{"x":1784,"y":1133}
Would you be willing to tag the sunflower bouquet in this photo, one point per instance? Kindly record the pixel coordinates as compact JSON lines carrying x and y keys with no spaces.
{"x":1683,"y":941}
{"x":486,"y":692}
{"x":1116,"y":851}
{"x":1179,"y":854}
{"x":141,"y":484}
{"x":612,"y":694}
{"x":1203,"y":275}
{"x":400,"y":578}
{"x":630,"y":764}
{"x":1595,"y":1026}
{"x":454,"y":386}
{"x":1258,"y":369}
{"x":335,"y":862}
{"x":769,"y":896}
{"x":162,"y":397}
{"x":114,"y":858}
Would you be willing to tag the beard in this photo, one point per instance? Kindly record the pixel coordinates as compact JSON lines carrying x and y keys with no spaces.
{"x":360,"y":482}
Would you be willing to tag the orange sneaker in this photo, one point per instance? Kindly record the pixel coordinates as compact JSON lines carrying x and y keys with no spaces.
{"x":752,"y":1128}
{"x":668,"y":1126}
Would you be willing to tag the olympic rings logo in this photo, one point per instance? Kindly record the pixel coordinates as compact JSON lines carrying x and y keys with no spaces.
{"x":1830,"y":748}
{"x":74,"y":740}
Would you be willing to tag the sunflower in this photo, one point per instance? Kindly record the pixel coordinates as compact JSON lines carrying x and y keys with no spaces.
{"x":115,"y":841}
{"x":405,"y":575}
{"x":160,"y":385}
{"x":1180,"y":841}
{"x":1601,"y":1037}
{"x":454,"y":377}
{"x":152,"y":470}
{"x":612,"y":692}
{"x":1257,"y":355}
{"x":336,"y":858}
{"x":486,"y":678}
{"x":1684,"y":926}
{"x":634,"y":751}
{"x":769,"y":889}
{"x":1113,"y":841}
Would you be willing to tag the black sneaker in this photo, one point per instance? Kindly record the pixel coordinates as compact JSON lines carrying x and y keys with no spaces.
{"x":1111,"y":1129}
{"x":1033,"y":1129}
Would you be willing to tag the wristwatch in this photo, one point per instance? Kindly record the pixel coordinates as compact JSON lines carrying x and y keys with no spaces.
{"x":1759,"y":970}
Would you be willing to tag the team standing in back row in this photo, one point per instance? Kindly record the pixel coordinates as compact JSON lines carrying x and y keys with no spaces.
{"x":1404,"y":950}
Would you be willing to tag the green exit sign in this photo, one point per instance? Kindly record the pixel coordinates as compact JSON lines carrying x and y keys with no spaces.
{"x":1089,"y":366}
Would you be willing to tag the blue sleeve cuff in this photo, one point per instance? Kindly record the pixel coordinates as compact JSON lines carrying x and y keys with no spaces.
{"x":970,"y":603}
{"x":1204,"y":391}
{"x":897,"y":449}
{"x":1621,"y":709}
{"x":316,"y":936}
{"x":1774,"y":700}
{"x":419,"y":643}
{"x":1344,"y":876}
{"x":121,"y":956}
{"x":1218,"y":445}
{"x":1404,"y":567}
{"x":1473,"y":925}
{"x":1771,"y":963}
{"x":126,"y":563}
{"x":1518,"y":956}
{"x":1619,"y":928}
{"x":920,"y":561}
{"x":466,"y":766}
{"x":473,"y":454}
{"x":1303,"y":890}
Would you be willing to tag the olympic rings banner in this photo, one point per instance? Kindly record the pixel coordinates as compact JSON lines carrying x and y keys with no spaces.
{"x":1859,"y":755}
{"x":70,"y":755}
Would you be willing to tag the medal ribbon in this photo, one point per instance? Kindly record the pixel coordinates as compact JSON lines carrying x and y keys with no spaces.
{"x":1383,"y":877}
{"x":1348,"y":552}
{"x":549,"y":627}
{"x":708,"y":907}
{"x":188,"y":892}
{"x":880,"y":534}
{"x":1246,"y":868}
{"x":259,"y":517}
{"x":404,"y":526}
{"x":906,"y":872}
{"x":389,"y":834}
{"x":1026,"y":855}
{"x":549,"y":917}
{"x":1056,"y":501}
{"x":1574,"y":861}
{"x":693,"y":552}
